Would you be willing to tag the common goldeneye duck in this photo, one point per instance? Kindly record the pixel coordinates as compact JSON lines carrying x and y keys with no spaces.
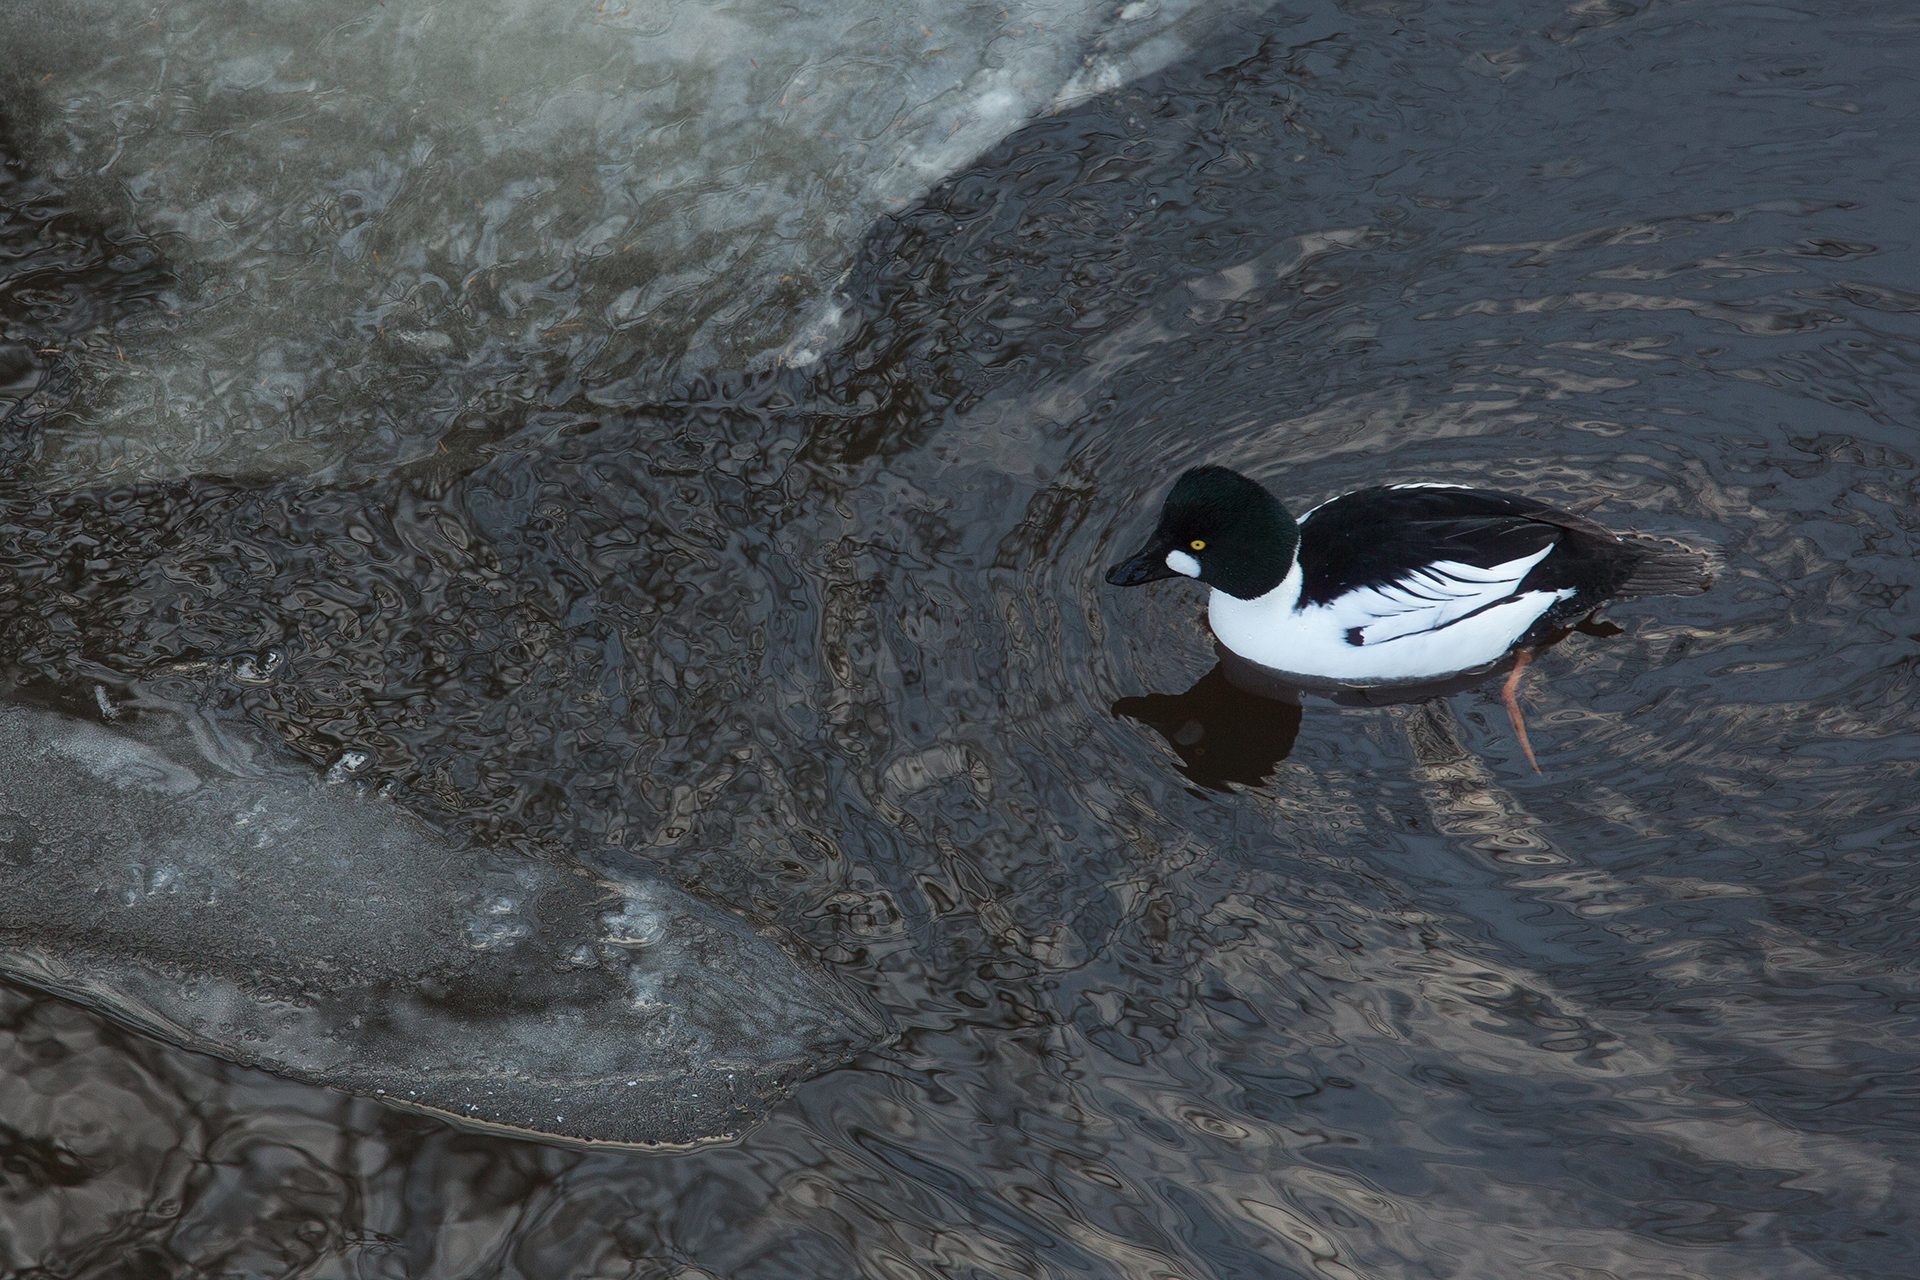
{"x":1398,"y":584}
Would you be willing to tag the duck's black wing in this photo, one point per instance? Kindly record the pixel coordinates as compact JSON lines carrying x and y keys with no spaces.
{"x":1445,"y":544}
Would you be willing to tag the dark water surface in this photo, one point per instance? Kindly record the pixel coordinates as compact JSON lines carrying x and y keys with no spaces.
{"x":1179,"y":991}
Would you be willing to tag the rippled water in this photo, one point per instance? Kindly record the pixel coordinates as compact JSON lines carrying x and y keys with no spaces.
{"x":1180,"y":988}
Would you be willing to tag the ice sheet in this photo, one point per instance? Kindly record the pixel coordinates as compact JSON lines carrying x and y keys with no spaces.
{"x":374,"y":213}
{"x":319,"y":932}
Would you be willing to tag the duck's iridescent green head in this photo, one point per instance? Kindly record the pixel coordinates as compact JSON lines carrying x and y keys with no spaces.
{"x":1222,"y":528}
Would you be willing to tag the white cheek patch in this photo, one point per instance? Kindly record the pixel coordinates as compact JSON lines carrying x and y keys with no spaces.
{"x":1181,"y":562}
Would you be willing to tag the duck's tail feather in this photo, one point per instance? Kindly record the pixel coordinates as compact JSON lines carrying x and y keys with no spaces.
{"x":1667,"y":571}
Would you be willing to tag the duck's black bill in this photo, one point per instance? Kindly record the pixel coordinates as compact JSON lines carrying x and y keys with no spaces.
{"x":1149,"y":566}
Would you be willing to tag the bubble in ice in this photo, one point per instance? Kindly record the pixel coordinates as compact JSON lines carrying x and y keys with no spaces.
{"x":361,"y":950}
{"x":638,"y":923}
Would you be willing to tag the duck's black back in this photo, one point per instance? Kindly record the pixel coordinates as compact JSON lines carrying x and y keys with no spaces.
{"x":1381,"y":536}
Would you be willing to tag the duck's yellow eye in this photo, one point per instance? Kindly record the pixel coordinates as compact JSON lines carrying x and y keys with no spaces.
{"x":1198,"y":544}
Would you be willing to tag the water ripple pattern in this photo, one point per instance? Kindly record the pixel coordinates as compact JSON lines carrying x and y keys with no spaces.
{"x":1351,"y":993}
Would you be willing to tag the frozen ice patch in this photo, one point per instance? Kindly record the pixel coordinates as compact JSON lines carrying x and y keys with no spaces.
{"x":358,"y":949}
{"x":348,"y":201}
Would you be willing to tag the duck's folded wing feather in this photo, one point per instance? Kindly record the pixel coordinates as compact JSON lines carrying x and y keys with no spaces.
{"x":1380,"y":537}
{"x":1427,"y":598}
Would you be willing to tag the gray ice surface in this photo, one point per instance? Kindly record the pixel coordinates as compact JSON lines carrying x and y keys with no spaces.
{"x":252,"y":911}
{"x":375,"y":212}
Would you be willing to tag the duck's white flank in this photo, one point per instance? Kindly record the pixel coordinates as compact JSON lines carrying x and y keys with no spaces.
{"x":1442,"y":618}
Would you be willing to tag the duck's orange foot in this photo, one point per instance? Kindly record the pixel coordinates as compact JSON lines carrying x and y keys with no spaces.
{"x":1507,"y":692}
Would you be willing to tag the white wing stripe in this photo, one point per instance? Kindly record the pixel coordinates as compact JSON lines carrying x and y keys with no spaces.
{"x":1431,"y":597}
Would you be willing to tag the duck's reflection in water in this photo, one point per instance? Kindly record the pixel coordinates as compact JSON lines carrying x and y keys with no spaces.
{"x":1240,"y":720}
{"x":1222,"y":733}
